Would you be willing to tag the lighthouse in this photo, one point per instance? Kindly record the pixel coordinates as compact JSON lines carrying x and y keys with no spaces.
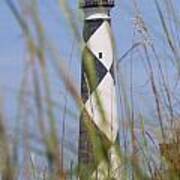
{"x":98,"y":84}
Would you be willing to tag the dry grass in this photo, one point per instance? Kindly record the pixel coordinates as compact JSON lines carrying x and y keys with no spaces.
{"x":142,"y":156}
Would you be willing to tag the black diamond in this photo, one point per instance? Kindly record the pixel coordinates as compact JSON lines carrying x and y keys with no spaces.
{"x":112,"y":72}
{"x":90,"y":27}
{"x":94,"y":71}
{"x":84,"y":87}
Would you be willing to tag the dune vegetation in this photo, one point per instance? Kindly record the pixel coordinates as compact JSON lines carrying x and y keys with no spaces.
{"x":145,"y":151}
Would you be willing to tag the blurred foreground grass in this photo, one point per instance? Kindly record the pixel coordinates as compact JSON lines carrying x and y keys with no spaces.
{"x":142,"y":156}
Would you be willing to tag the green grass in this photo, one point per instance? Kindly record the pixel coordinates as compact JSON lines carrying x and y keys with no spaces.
{"x":141,"y":157}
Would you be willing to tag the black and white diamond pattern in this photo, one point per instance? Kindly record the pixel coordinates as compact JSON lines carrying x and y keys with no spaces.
{"x":98,"y":77}
{"x":94,"y":77}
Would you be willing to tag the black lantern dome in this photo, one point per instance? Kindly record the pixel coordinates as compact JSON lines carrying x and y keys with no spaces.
{"x":96,"y":3}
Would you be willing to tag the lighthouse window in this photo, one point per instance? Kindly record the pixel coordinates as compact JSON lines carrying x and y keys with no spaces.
{"x":100,"y":55}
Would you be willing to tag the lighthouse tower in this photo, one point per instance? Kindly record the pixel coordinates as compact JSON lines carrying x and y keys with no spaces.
{"x":97,"y":77}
